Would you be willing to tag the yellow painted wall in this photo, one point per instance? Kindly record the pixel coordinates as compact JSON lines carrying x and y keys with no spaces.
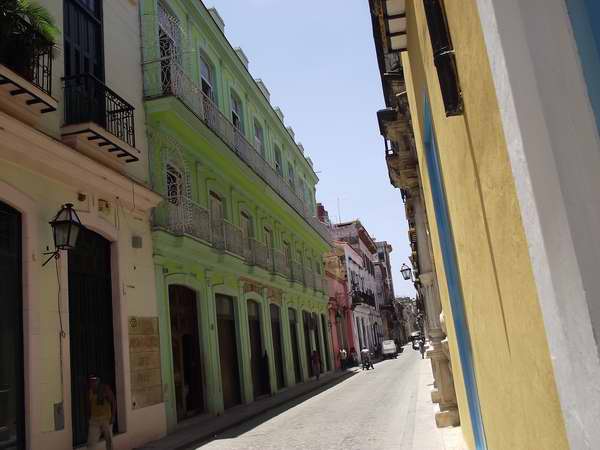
{"x":514,"y":373}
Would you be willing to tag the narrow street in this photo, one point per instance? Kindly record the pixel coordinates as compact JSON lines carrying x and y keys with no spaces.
{"x":378,"y":409}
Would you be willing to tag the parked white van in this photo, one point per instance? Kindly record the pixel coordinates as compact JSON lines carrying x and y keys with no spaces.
{"x":388,"y":349}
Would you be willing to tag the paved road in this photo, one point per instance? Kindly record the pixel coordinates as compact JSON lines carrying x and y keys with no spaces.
{"x":371,"y":410}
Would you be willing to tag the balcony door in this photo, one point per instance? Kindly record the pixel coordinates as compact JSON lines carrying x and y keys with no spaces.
{"x":217,"y":215}
{"x":12,"y":418}
{"x":84,"y":54}
{"x":247,"y":234}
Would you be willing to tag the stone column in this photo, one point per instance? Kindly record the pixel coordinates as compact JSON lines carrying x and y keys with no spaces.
{"x":443,"y":392}
{"x":210,"y":348}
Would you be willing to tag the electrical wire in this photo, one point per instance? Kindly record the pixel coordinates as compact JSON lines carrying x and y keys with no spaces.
{"x":62,"y":333}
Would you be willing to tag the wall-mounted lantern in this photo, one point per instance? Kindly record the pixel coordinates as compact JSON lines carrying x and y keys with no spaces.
{"x":406,"y":272}
{"x":66,"y":227}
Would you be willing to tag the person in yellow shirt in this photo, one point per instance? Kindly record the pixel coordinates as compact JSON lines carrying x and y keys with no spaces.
{"x":100,"y":412}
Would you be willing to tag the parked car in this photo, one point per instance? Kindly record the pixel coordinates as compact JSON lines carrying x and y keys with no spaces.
{"x":389,"y":349}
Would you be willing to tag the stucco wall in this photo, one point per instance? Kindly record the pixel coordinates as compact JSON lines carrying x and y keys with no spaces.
{"x":513,"y":369}
{"x":38,"y":195}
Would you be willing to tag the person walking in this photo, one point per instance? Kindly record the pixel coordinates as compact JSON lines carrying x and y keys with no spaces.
{"x":100,"y":409}
{"x":315,"y":360}
{"x":367,"y":362}
{"x":422,"y":349}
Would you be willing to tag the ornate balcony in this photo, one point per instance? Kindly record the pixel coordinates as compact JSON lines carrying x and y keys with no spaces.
{"x":184,"y":217}
{"x":166,"y":77}
{"x":282,"y":265}
{"x":98,"y":122}
{"x":26,"y":74}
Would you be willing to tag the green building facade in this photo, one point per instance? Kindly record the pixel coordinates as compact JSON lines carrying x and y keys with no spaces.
{"x":237,"y":248}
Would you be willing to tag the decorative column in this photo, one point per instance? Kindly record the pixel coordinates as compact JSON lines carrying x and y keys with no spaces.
{"x":443,"y":392}
{"x":244,"y":345}
{"x":210,"y":348}
{"x":267,"y":336}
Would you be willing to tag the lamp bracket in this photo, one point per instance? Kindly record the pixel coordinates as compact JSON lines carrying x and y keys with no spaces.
{"x":55,"y":254}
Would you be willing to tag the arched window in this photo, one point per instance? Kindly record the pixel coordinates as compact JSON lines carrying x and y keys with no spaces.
{"x":175,"y":188}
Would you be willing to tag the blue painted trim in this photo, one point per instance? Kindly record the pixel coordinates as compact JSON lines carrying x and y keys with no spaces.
{"x":446,"y":237}
{"x":585,"y":19}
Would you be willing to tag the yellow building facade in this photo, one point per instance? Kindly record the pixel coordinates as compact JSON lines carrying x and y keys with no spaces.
{"x":448,"y":140}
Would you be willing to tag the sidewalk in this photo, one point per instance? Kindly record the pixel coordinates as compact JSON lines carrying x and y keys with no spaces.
{"x":427,"y":436}
{"x":199,"y":429}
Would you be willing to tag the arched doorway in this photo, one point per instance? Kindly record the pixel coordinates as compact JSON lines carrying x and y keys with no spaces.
{"x":12,"y":417}
{"x":277,"y":344}
{"x":185,"y":345}
{"x":315,"y":325}
{"x":258,"y":358}
{"x":90,"y":324}
{"x":325,"y":342}
{"x":307,"y":321}
{"x":295,"y":346}
{"x":228,"y":353}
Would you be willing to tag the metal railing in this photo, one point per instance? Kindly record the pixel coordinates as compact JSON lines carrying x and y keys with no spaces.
{"x":28,"y":53}
{"x":297,"y":272}
{"x":282,"y":265}
{"x":87,"y":99}
{"x":165,"y":76}
{"x":183,"y":216}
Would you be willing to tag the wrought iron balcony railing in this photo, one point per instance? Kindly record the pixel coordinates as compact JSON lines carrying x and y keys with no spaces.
{"x":282,"y":265}
{"x":165,"y":77}
{"x":29,"y":54}
{"x":87,"y":99}
{"x":183,"y":216}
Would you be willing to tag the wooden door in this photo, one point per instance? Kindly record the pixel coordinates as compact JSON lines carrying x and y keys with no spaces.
{"x":295,"y":346}
{"x":306,"y":320}
{"x":277,"y":344}
{"x":185,"y":345}
{"x":315,"y":323}
{"x":90,"y":323}
{"x":324,"y":356}
{"x":12,"y":418}
{"x":230,"y":376}
{"x":258,"y":362}
{"x":217,"y":214}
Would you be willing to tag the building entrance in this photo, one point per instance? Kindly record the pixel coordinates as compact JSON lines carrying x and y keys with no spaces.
{"x":90,"y":324}
{"x":12,"y":418}
{"x":230,"y":374}
{"x":258,"y":356}
{"x":185,"y":344}
{"x":295,"y":346}
{"x":277,"y":344}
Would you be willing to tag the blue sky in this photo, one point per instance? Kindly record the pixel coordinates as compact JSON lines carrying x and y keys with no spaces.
{"x":318,"y":60}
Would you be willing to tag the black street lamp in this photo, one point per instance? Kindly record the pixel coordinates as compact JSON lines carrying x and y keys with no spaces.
{"x":406,"y":272}
{"x":66,"y":227}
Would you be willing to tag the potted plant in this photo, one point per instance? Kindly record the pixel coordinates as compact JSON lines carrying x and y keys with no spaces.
{"x":26,"y":29}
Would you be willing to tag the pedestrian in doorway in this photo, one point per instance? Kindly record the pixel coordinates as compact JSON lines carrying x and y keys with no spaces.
{"x":353,"y":357}
{"x":315,"y":360}
{"x":343,"y":358}
{"x":422,"y":349}
{"x":101,"y":410}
